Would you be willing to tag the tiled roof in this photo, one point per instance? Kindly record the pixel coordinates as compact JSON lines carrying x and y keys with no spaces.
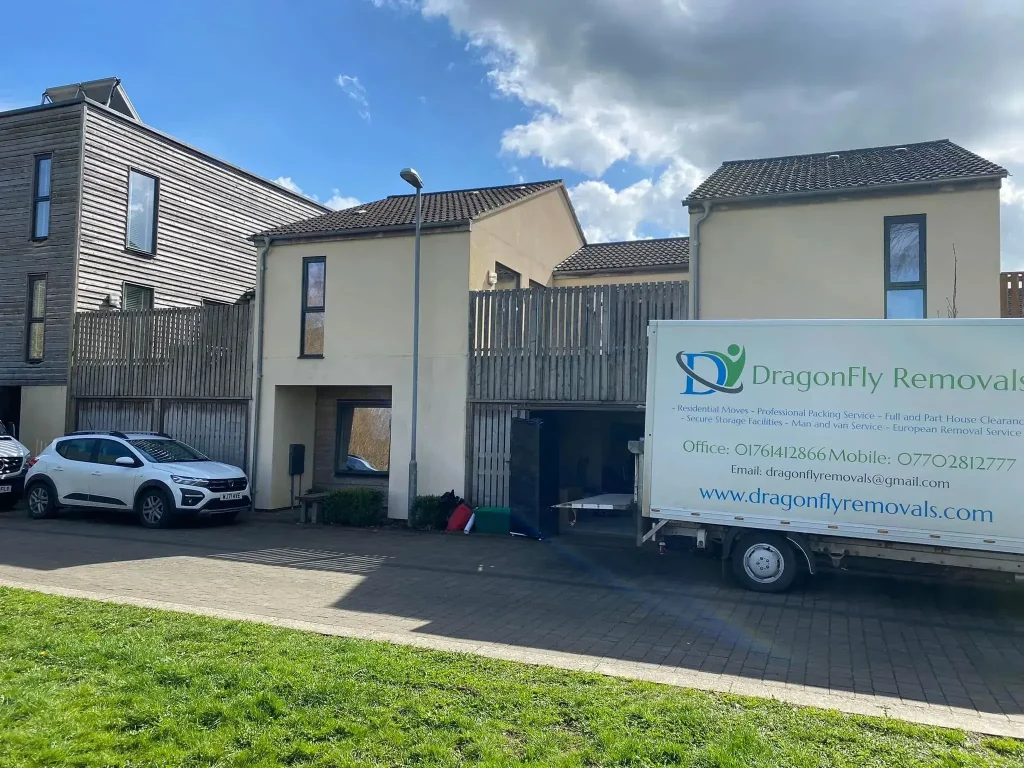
{"x":669,"y":252}
{"x":851,"y":169}
{"x":400,"y":210}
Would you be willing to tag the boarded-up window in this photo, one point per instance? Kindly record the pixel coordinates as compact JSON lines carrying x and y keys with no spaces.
{"x":363,"y":438}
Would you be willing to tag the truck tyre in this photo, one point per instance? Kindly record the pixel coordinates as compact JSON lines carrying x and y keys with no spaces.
{"x":764,"y":562}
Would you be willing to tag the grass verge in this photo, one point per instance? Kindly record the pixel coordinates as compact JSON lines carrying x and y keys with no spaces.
{"x":93,"y":684}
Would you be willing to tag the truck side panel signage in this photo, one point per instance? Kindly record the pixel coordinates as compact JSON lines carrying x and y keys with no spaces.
{"x":911,"y":431}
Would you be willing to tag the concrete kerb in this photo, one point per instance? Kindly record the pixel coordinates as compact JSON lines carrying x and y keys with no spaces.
{"x":848,"y":702}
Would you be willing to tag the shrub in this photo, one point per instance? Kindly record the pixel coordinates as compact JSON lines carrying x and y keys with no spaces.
{"x":430,"y":513}
{"x":360,"y":507}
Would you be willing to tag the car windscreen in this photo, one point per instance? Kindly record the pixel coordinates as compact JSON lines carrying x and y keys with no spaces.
{"x":3,"y":430}
{"x":166,"y":451}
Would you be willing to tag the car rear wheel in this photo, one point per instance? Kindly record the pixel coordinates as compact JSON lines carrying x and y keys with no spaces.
{"x":154,"y":507}
{"x":765,"y":562}
{"x":42,"y":502}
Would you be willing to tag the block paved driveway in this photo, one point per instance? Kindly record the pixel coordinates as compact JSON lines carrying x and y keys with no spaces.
{"x":944,"y":655}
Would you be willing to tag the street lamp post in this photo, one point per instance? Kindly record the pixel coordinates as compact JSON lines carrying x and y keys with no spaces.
{"x":413,"y":178}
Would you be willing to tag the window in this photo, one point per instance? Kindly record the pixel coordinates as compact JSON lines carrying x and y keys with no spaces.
{"x":508,"y":278}
{"x":142,"y":206}
{"x":41,"y":198}
{"x":363,"y":440}
{"x":137,"y":297}
{"x":36,"y":320}
{"x":111,"y":450}
{"x":314,"y":290}
{"x":79,"y":449}
{"x":905,"y":267}
{"x":164,"y":451}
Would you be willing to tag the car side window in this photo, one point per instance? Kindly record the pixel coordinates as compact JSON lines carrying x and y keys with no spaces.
{"x":111,"y":450}
{"x":79,"y":449}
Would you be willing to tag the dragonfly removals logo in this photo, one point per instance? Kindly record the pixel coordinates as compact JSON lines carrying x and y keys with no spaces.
{"x":710,"y":372}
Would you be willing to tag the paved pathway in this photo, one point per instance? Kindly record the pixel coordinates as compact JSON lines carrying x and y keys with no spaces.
{"x":934,"y":654}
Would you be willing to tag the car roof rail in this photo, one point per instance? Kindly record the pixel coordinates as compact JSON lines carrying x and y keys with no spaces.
{"x":154,"y":434}
{"x":111,"y":432}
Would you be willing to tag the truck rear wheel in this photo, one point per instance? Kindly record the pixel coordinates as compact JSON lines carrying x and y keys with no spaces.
{"x":764,"y":562}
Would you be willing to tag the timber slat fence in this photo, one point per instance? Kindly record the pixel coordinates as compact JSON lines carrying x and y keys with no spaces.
{"x":1011,"y":294}
{"x":581,"y":344}
{"x":196,"y":352}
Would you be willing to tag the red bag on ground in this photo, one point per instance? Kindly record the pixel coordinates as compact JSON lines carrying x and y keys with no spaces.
{"x":459,"y":518}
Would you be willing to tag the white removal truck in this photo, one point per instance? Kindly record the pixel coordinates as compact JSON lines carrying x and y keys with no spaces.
{"x":880,"y":438}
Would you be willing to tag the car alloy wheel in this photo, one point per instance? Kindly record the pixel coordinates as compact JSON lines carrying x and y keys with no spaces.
{"x":39,"y":501}
{"x":153,"y":509}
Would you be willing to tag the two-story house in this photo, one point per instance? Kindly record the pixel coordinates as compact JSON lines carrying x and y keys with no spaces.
{"x":100,"y":211}
{"x":337,"y":331}
{"x":863,"y":233}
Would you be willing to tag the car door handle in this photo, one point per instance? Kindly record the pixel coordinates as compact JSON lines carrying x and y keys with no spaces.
{"x":97,"y":474}
{"x":58,"y":469}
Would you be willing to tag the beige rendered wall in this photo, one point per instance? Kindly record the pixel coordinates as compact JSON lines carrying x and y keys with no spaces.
{"x":619,"y":278}
{"x":531,"y":238}
{"x":826,"y":260}
{"x":368,"y":343}
{"x":42,"y":416}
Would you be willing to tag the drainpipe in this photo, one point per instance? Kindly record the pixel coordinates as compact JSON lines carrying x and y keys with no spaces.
{"x":258,"y":394}
{"x":695,"y":257}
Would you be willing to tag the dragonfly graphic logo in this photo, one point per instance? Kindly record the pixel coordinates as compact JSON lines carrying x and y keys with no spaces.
{"x":710,"y":372}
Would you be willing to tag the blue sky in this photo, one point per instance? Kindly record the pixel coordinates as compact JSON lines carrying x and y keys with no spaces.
{"x":257,"y":84}
{"x":632,"y":102}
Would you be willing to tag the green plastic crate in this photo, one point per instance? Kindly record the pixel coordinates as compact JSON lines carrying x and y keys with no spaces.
{"x":492,"y":519}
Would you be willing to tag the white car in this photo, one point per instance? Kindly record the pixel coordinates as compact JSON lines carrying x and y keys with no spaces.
{"x":13,"y":460}
{"x":149,"y":473}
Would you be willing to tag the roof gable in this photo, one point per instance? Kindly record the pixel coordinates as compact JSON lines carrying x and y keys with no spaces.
{"x":669,"y":253}
{"x":399,"y":211}
{"x":851,"y":169}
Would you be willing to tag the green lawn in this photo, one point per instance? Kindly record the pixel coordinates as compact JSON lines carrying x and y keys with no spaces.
{"x":91,"y":684}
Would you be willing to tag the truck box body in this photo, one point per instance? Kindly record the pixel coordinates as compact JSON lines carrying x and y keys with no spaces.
{"x":897,"y":431}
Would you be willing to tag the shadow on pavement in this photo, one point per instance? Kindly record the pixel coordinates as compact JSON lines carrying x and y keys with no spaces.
{"x":960,"y":645}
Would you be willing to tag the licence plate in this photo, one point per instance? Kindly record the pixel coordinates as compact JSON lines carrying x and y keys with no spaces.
{"x":6,"y":488}
{"x":233,"y":496}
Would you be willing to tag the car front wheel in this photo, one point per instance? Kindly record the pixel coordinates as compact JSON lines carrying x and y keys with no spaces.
{"x":155,"y":508}
{"x":41,"y":501}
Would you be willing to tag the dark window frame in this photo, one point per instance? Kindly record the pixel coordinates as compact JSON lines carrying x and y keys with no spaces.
{"x":921,"y":284}
{"x":339,"y":466}
{"x":128,"y":212}
{"x":307,"y":309}
{"x":31,"y":319}
{"x":124,"y":295}
{"x":37,"y":198}
{"x":500,"y":268}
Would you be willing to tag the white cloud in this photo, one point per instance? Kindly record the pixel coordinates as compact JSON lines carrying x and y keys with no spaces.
{"x":287,"y":183}
{"x":339,"y":203}
{"x":1011,"y":194}
{"x":335,"y":201}
{"x":352,"y":88}
{"x":689,"y":83}
{"x":609,"y":214}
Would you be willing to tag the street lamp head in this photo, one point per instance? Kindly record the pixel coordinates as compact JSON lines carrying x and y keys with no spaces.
{"x":413,"y":178}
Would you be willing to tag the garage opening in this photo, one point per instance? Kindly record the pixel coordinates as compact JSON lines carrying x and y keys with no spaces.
{"x":579,"y":467}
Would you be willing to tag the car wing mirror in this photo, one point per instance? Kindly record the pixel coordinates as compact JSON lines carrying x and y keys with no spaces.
{"x":124,"y":461}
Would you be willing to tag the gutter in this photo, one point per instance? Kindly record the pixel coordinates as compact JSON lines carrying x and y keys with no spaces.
{"x":695,"y":257}
{"x":365,"y":233}
{"x":261,"y":301}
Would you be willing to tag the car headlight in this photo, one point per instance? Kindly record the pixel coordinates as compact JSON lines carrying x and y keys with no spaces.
{"x":200,"y":481}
